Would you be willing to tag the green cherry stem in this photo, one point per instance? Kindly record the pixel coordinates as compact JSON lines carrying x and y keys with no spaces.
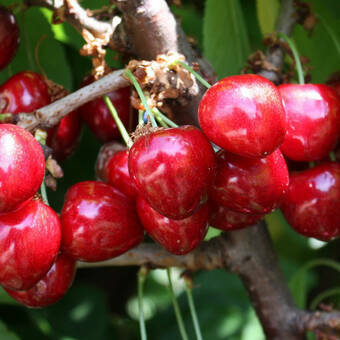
{"x":41,"y":136}
{"x":332,"y":156}
{"x":188,"y":289}
{"x":44,"y":192}
{"x":176,"y":308}
{"x":140,"y":117}
{"x":296,"y":56}
{"x":128,"y":141}
{"x":162,"y":117}
{"x":139,"y":90}
{"x":142,"y":274}
{"x":197,"y":76}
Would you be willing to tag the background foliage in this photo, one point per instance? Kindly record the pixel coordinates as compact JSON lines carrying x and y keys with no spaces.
{"x":102,"y":302}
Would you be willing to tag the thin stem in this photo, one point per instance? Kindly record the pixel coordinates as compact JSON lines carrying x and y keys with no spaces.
{"x":324,"y":295}
{"x":140,"y":117}
{"x":44,"y":192}
{"x":332,"y":156}
{"x":197,"y":76}
{"x":296,"y":56}
{"x":160,"y":116}
{"x":188,"y":288}
{"x":139,"y":90}
{"x":128,"y":141}
{"x":142,"y":274}
{"x":176,"y":308}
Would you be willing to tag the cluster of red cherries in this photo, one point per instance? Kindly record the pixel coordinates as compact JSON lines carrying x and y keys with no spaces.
{"x":170,"y":183}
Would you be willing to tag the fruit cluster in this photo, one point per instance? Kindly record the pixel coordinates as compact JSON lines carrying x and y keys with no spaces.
{"x":171,"y":183}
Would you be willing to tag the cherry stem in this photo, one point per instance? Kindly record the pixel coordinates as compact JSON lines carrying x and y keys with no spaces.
{"x":44,"y":192}
{"x":142,"y":274}
{"x":163,"y":118}
{"x":128,"y":141}
{"x":139,"y":90}
{"x":296,"y":56}
{"x":140,"y":117}
{"x":197,"y":76}
{"x":176,"y":308}
{"x":188,"y":288}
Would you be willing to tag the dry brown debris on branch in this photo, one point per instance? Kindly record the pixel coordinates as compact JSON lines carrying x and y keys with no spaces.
{"x":163,"y":79}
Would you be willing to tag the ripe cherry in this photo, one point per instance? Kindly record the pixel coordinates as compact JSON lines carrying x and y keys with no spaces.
{"x":250,"y":185}
{"x":22,"y":166}
{"x":9,"y":36}
{"x":98,"y":222}
{"x":29,"y":243}
{"x":313,"y":116}
{"x":51,"y":288}
{"x":24,"y":92}
{"x":104,"y":156}
{"x":244,"y":115}
{"x":118,"y":174}
{"x":173,"y":169}
{"x":226,"y":219}
{"x":64,"y":137}
{"x":176,"y":236}
{"x":311,"y":205}
{"x":98,"y":117}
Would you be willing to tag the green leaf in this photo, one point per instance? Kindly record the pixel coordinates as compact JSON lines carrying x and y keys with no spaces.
{"x":298,"y":284}
{"x":267,"y":11}
{"x":5,"y":334}
{"x":225,"y":39}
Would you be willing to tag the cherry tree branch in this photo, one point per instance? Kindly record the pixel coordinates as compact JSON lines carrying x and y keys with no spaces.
{"x":51,"y":114}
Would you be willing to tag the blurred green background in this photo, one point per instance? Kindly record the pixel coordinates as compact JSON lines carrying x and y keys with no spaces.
{"x":102,"y":302}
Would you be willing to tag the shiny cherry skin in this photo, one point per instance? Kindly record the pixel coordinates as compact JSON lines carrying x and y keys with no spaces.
{"x":313,"y":117}
{"x":29,"y":243}
{"x":311,"y":205}
{"x":24,"y":92}
{"x":250,"y":185}
{"x":178,"y":237}
{"x":173,"y":169}
{"x":244,"y":115}
{"x":22,"y":167}
{"x":98,"y":222}
{"x":64,"y":137}
{"x":98,"y":117}
{"x":226,"y":219}
{"x":51,"y":288}
{"x":9,"y":36}
{"x":105,"y":154}
{"x":118,"y":174}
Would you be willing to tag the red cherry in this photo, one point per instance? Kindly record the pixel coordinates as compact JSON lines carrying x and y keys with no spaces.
{"x":29,"y":243}
{"x":311,"y":205}
{"x":226,"y":219}
{"x":51,"y":288}
{"x":250,"y":185}
{"x":22,"y":166}
{"x":98,"y":117}
{"x":173,"y":169}
{"x":118,"y":174}
{"x":104,"y":156}
{"x":24,"y":92}
{"x":9,"y":36}
{"x":98,"y":222}
{"x":176,"y":236}
{"x":313,"y":116}
{"x":244,"y":115}
{"x":64,"y":137}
